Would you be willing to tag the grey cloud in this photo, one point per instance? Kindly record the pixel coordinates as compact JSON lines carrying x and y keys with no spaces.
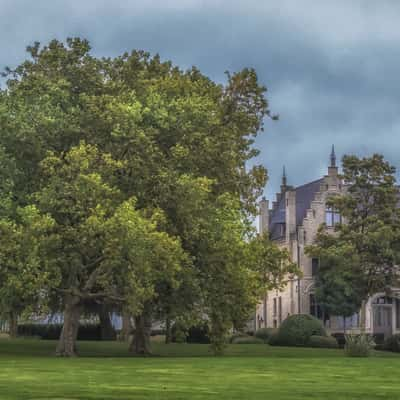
{"x":331,"y":68}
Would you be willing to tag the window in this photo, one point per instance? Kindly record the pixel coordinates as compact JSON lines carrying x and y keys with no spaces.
{"x":274,"y":310}
{"x":332,"y":216}
{"x":383,"y":300}
{"x":314,"y":266}
{"x":315,"y":308}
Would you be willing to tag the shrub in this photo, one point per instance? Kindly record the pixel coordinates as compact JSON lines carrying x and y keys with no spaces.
{"x":195,"y":334}
{"x":296,"y":330}
{"x":265,"y":333}
{"x":274,"y":339}
{"x":178,"y":333}
{"x":238,"y":335}
{"x":42,"y":331}
{"x":53,"y":331}
{"x":198,"y":334}
{"x":157,"y":332}
{"x":359,"y":345}
{"x":247,"y":340}
{"x":379,"y":338}
{"x":327,"y":342}
{"x":392,"y":343}
{"x":89,"y":332}
{"x":340,"y":338}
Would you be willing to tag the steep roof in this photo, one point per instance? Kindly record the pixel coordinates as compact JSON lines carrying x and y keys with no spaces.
{"x":305,"y":194}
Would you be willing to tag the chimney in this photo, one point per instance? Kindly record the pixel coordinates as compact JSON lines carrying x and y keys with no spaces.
{"x":264,"y":216}
{"x":290,"y":199}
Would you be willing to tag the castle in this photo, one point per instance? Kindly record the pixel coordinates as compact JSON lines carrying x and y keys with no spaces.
{"x":292,"y":222}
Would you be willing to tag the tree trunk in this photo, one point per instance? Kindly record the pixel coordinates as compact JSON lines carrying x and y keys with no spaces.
{"x":168,"y":331}
{"x":13,"y":325}
{"x":107,"y":331}
{"x":126,"y":326}
{"x":67,"y":343}
{"x":140,"y":344}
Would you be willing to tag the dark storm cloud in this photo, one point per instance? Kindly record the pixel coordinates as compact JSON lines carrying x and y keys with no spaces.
{"x":331,"y":68}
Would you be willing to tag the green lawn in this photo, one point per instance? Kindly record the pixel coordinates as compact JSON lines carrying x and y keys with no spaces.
{"x":104,"y":371}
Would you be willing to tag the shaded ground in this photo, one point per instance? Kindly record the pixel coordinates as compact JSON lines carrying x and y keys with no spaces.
{"x":27,"y":371}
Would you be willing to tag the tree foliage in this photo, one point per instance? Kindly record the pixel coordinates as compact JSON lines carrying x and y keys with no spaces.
{"x":141,"y":167}
{"x":362,"y":256}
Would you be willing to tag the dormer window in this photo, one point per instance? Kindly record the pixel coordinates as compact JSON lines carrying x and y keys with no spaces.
{"x":332,"y":216}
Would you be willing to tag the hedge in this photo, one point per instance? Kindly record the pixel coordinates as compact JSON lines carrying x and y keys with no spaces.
{"x":247,"y":340}
{"x":392,"y":343}
{"x":53,"y":331}
{"x":328,"y":342}
{"x":195,"y":334}
{"x":265,"y":333}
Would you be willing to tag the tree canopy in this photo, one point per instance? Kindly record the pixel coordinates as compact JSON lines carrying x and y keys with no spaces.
{"x":362,"y":257}
{"x":140,"y":169}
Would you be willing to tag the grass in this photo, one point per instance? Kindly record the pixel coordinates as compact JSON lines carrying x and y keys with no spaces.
{"x":105,"y":371}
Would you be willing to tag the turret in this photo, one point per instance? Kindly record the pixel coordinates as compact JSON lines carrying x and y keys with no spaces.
{"x":264,"y":216}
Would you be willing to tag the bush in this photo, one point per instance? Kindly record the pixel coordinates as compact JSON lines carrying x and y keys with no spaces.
{"x":178,"y":333}
{"x":198,"y":334}
{"x":157,"y":332}
{"x":265,"y":333}
{"x":195,"y":334}
{"x":42,"y":331}
{"x":238,"y":335}
{"x":359,"y":345}
{"x":247,"y":340}
{"x":296,"y":330}
{"x":53,"y":331}
{"x":327,"y":342}
{"x":392,"y":343}
{"x":274,"y":339}
{"x":89,"y":332}
{"x":379,"y":338}
{"x":340,"y":339}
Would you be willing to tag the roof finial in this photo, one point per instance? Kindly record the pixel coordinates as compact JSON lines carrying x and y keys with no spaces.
{"x":333,"y":157}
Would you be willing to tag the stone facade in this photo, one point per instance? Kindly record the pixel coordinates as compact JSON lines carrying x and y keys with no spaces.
{"x":293,"y":222}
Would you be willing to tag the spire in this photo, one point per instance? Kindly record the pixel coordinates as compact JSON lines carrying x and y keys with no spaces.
{"x":333,"y":169}
{"x":333,"y":157}
{"x":284,"y":179}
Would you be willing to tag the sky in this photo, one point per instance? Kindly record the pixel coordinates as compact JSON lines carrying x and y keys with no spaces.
{"x":331,"y":67}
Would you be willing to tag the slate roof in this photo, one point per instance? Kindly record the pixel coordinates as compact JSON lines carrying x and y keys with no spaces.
{"x":305,"y":194}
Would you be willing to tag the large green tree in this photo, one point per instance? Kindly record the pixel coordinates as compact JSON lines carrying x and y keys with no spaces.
{"x":173,"y":140}
{"x":104,"y":249}
{"x":364,"y":251}
{"x":337,"y":287}
{"x":24,"y":278}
